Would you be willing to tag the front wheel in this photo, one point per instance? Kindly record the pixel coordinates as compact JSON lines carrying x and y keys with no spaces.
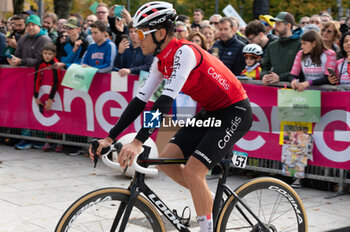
{"x":97,"y":210}
{"x":274,"y":202}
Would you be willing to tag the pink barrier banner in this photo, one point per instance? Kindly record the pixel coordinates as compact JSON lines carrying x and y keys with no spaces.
{"x":331,"y":134}
{"x":73,"y":111}
{"x":94,"y":113}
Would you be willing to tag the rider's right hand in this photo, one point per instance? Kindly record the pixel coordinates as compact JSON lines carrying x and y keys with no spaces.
{"x":106,"y":142}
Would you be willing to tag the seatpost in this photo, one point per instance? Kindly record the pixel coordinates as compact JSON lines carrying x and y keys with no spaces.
{"x":225,"y":166}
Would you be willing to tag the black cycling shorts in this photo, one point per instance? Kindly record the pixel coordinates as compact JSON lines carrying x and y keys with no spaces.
{"x":211,"y":144}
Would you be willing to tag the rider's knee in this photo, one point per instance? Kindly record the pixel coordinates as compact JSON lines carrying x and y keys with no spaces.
{"x":191,"y":176}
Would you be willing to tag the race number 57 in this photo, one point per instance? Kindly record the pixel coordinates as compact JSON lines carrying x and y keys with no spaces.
{"x":239,"y":159}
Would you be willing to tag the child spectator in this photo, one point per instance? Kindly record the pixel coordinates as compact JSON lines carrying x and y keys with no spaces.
{"x":252,"y":54}
{"x":102,"y":53}
{"x":49,"y":59}
{"x":312,"y":61}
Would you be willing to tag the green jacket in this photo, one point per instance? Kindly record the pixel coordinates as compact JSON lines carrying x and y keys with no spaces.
{"x":280,"y":54}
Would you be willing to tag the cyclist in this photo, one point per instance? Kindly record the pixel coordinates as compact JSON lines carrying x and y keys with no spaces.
{"x":187,"y":68}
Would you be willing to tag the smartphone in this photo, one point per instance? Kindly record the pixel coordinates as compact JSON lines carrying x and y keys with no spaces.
{"x":125,"y":36}
{"x":118,"y":11}
{"x":331,"y":71}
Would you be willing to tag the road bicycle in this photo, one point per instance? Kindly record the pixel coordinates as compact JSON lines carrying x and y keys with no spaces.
{"x":259,"y":205}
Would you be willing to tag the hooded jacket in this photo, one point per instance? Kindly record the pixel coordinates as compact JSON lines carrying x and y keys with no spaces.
{"x":29,"y":48}
{"x":280,"y":54}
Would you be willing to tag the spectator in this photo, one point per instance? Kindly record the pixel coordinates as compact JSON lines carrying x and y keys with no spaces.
{"x":326,"y":18}
{"x":330,"y":35}
{"x":102,"y":12}
{"x":256,"y":33}
{"x":198,"y":16}
{"x":73,"y":49}
{"x":239,"y":35}
{"x":28,"y":51}
{"x":181,"y":31}
{"x":49,"y":58}
{"x":214,"y":20}
{"x":204,"y":23}
{"x":60,"y":25}
{"x":18,"y":30}
{"x":252,"y":54}
{"x":230,"y":48}
{"x":185,"y":19}
{"x":280,"y":54}
{"x":2,"y":48}
{"x":198,"y":38}
{"x":343,"y":64}
{"x":304,"y":21}
{"x":130,"y":59}
{"x":268,"y":23}
{"x":82,"y":33}
{"x":311,"y":63}
{"x":100,"y":54}
{"x":118,"y":25}
{"x":316,"y":19}
{"x":49,"y":22}
{"x":309,"y":27}
{"x":209,"y":34}
{"x":90,"y":20}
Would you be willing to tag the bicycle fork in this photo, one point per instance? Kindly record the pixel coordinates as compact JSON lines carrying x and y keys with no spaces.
{"x":125,"y":209}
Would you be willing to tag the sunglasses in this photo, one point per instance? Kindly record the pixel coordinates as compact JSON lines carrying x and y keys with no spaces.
{"x":142,"y":34}
{"x":250,"y":56}
{"x":265,"y":23}
{"x":326,"y":31}
{"x":216,"y":23}
{"x":304,"y":23}
{"x":101,"y":12}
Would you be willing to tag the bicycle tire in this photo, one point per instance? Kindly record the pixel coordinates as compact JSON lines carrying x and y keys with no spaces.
{"x":95,"y":211}
{"x":283,"y":199}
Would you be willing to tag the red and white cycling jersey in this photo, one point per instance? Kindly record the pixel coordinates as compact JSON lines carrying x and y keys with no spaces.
{"x":188,"y":68}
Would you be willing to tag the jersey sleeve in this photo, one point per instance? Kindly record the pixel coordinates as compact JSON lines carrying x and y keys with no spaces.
{"x":184,"y":62}
{"x":296,"y":69}
{"x":152,"y":83}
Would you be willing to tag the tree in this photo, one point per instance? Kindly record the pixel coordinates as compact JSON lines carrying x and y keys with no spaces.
{"x":62,"y":8}
{"x":18,"y":6}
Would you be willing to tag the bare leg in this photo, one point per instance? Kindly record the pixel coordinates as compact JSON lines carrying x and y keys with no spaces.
{"x":173,"y":171}
{"x":194,"y":175}
{"x":191,"y":176}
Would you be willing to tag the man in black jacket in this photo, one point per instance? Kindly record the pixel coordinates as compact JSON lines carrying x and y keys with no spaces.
{"x":230,"y":48}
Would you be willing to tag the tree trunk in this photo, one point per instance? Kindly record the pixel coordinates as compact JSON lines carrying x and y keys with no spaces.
{"x":62,"y":8}
{"x":17,"y":6}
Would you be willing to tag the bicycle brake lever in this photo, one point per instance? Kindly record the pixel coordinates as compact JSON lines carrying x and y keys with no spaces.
{"x":94,"y":146}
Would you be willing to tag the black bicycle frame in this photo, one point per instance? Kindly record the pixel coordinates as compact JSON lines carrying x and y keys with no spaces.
{"x":138,"y":186}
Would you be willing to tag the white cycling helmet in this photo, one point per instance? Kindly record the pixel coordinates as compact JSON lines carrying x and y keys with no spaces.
{"x":253,"y":49}
{"x":153,"y":14}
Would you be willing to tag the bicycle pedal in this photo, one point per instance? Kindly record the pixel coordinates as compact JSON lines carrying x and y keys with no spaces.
{"x":184,"y":220}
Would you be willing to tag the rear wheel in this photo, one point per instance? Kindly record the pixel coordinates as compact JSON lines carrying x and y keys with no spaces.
{"x":96,"y":212}
{"x":274,"y":202}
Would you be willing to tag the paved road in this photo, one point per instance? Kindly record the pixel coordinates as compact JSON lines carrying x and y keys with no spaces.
{"x":36,"y":187}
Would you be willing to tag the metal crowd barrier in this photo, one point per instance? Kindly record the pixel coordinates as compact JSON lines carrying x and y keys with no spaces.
{"x":334,"y":175}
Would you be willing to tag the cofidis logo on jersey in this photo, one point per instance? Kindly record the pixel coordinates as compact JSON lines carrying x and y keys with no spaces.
{"x":151,"y":119}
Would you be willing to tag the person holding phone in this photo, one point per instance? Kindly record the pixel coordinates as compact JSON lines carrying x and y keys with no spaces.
{"x":118,"y":18}
{"x":312,"y":63}
{"x":342,"y":73}
{"x":129,"y":59}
